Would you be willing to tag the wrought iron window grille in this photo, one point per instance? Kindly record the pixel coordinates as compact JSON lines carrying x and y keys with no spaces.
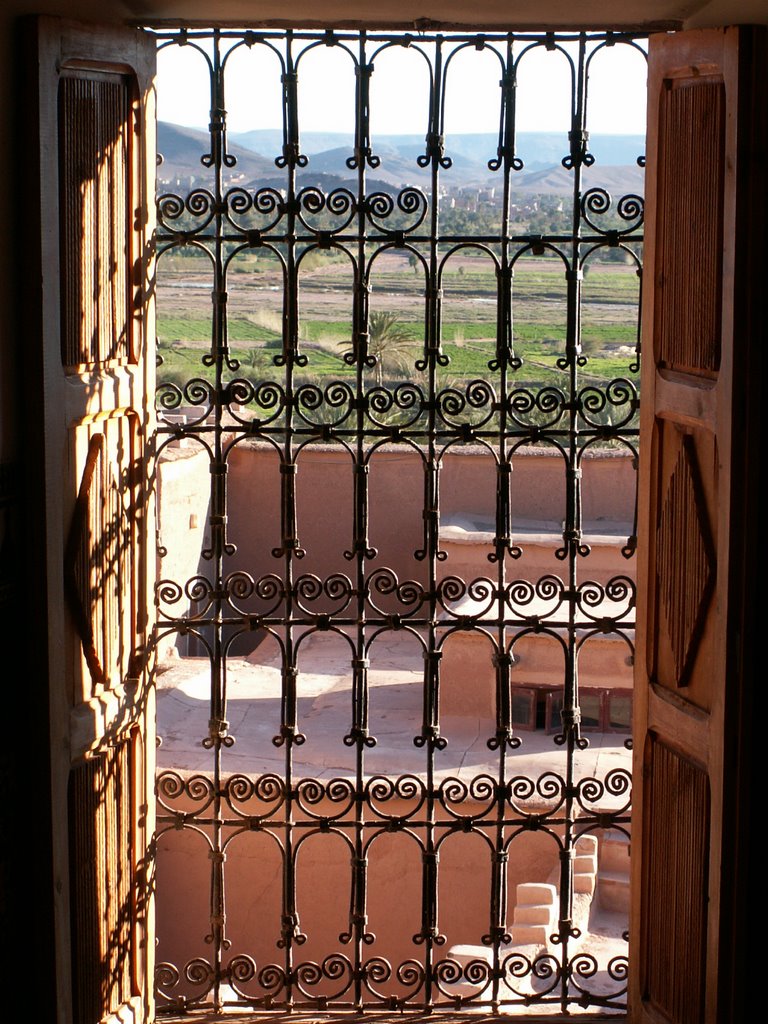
{"x":430,"y":415}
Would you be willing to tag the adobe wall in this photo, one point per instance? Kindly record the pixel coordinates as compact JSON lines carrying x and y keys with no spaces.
{"x":253,"y":879}
{"x":183,"y":501}
{"x":253,"y":868}
{"x":324,"y":513}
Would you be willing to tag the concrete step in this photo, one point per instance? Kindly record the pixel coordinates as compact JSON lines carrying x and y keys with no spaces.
{"x":584,"y":882}
{"x":614,"y":853}
{"x":584,"y":863}
{"x":613,"y":891}
{"x":464,"y":954}
{"x":533,"y":934}
{"x":536,"y":893}
{"x":533,"y":914}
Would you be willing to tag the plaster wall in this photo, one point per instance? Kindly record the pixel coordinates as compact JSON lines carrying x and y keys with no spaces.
{"x":324,"y":519}
{"x":468,"y":482}
{"x":253,"y":877}
{"x":183,"y":498}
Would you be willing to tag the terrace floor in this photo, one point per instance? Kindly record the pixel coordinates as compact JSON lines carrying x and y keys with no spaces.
{"x":254,"y":686}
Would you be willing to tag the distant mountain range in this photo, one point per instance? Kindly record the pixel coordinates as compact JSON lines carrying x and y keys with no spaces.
{"x":615,"y":165}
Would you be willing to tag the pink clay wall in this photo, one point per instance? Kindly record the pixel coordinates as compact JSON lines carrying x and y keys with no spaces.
{"x":324,"y":485}
{"x":253,"y":876}
{"x":324,"y":517}
{"x":252,"y":869}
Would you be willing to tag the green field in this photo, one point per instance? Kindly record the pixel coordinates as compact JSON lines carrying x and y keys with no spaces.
{"x":609,"y":318}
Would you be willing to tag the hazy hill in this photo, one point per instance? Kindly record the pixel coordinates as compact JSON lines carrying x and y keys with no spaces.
{"x":537,"y":149}
{"x":181,"y":149}
{"x":542,"y":152}
{"x":618,"y":180}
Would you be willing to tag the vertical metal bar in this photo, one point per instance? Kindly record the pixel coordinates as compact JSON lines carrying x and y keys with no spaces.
{"x":431,"y":513}
{"x":217,"y":521}
{"x":291,"y":931}
{"x":502,"y":543}
{"x":571,"y":714}
{"x":360,"y":329}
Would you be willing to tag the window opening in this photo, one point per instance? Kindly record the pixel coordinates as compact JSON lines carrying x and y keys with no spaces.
{"x":397,"y":448}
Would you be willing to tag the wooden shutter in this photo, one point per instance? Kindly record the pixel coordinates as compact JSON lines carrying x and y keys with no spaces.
{"x":702,"y":155}
{"x":96,"y":130}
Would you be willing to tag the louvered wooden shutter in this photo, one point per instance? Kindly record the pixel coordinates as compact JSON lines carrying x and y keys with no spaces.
{"x":695,"y":380}
{"x":96,"y":131}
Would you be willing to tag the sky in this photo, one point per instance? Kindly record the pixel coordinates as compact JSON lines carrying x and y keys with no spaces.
{"x":616,"y":98}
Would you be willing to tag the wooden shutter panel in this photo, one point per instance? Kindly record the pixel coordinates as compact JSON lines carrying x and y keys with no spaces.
{"x":102,"y":881}
{"x":94,"y":192}
{"x":96,"y":187}
{"x":701,"y":128}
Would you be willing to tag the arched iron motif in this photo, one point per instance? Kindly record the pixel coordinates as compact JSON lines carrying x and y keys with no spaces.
{"x":363,"y":603}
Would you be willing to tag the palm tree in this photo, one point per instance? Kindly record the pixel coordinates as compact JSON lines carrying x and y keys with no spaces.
{"x":387,"y":341}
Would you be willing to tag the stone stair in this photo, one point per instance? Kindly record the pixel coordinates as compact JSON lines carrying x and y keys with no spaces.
{"x":585,"y":865}
{"x":536,"y":910}
{"x":535,"y":917}
{"x":613,"y":873}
